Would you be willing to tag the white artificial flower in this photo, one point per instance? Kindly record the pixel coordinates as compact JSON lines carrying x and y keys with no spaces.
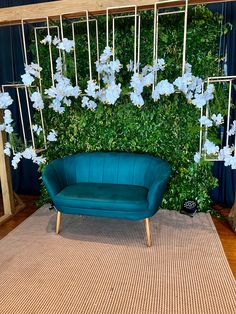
{"x":188,"y":68}
{"x":155,"y":95}
{"x":159,"y":65}
{"x":47,"y":39}
{"x":115,"y":66}
{"x":225,"y":152}
{"x":184,"y":82}
{"x":232,"y":130}
{"x":56,"y":106}
{"x":205,"y":121}
{"x":164,"y":88}
{"x":66,"y":101}
{"x":208,"y":94}
{"x":28,"y":153}
{"x":33,"y":69}
{"x":56,"y":41}
{"x":27,"y":79}
{"x":37,"y":100}
{"x":137,"y":99}
{"x":7,"y":117}
{"x":5,"y":100}
{"x":136,"y":83}
{"x":113,"y":93}
{"x":15,"y":160}
{"x":59,"y":64}
{"x":107,"y":52}
{"x":130,"y":66}
{"x":90,"y":104}
{"x":66,"y":45}
{"x":9,"y":129}
{"x":230,"y":161}
{"x":37,"y":129}
{"x":92,"y":88}
{"x":218,"y":119}
{"x":52,"y":136}
{"x":199,"y":101}
{"x":39,"y":160}
{"x":210,"y":148}
{"x":197,"y":157}
{"x":2,"y":127}
{"x":148,"y":79}
{"x":7,"y":149}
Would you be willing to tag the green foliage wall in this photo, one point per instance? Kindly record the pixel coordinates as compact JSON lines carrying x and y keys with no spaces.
{"x":169,"y":128}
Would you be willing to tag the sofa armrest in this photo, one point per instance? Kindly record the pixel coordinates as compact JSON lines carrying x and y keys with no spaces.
{"x":155,"y":194}
{"x":51,"y":181}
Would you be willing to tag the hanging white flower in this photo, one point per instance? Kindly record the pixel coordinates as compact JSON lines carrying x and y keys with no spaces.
{"x":187,"y":68}
{"x":107,"y":53}
{"x":159,"y":65}
{"x":59,"y":64}
{"x":92,"y":88}
{"x":39,"y":160}
{"x":113,"y":93}
{"x":148,"y":79}
{"x":208,"y":94}
{"x":52,"y":136}
{"x":210,"y":148}
{"x":66,"y":45}
{"x":5,"y":100}
{"x":137,"y":99}
{"x":46,"y":40}
{"x":164,"y":88}
{"x":37,"y":100}
{"x":155,"y":95}
{"x":7,"y":149}
{"x":56,"y":41}
{"x":34,"y":69}
{"x":232,"y":130}
{"x":130,"y":66}
{"x":56,"y":106}
{"x":27,"y":79}
{"x":15,"y":160}
{"x":37,"y":129}
{"x":218,"y":119}
{"x":136,"y":83}
{"x":230,"y":161}
{"x":225,"y":152}
{"x":205,"y":121}
{"x":90,"y":104}
{"x":199,"y":101}
{"x":7,"y":118}
{"x":66,"y":102}
{"x":28,"y":153}
{"x":197,"y":157}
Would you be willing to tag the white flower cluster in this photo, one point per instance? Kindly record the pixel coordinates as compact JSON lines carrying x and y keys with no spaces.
{"x":28,"y":153}
{"x":37,"y":100}
{"x":32,"y":71}
{"x":145,"y":79}
{"x":232,"y":130}
{"x":52,"y":136}
{"x":37,"y":129}
{"x":216,"y":119}
{"x":64,"y":44}
{"x":61,"y":92}
{"x":5,"y":102}
{"x":108,"y":69}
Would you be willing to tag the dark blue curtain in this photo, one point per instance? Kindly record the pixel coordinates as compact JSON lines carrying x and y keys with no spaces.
{"x":26,"y":177}
{"x":224,"y":194}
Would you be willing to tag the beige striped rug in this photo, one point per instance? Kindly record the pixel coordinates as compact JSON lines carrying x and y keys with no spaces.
{"x":103,"y":266}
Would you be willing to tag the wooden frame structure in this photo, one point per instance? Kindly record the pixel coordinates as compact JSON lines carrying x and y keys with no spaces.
{"x":69,"y":8}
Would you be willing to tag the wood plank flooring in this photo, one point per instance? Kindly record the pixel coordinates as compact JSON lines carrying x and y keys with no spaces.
{"x":228,"y":238}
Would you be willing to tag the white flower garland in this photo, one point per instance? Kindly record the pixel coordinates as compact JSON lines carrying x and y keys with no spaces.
{"x":63,"y":91}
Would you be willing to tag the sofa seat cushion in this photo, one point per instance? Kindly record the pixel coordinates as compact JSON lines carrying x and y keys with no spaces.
{"x":102,"y":196}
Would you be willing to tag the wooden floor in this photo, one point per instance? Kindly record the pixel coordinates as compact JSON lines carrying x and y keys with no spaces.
{"x":228,"y":238}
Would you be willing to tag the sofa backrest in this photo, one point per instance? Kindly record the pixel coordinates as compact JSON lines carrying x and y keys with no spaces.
{"x":110,"y":167}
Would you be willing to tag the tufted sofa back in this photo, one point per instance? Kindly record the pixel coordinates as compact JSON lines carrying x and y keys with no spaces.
{"x":114,"y":168}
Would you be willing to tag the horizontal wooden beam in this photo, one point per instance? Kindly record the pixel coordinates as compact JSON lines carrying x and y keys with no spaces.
{"x":74,"y":8}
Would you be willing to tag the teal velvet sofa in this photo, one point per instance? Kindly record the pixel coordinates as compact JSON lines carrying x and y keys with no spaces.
{"x":116,"y":185}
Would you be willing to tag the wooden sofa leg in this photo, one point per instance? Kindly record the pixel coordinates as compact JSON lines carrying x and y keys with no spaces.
{"x":148,"y":232}
{"x":58,"y":222}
